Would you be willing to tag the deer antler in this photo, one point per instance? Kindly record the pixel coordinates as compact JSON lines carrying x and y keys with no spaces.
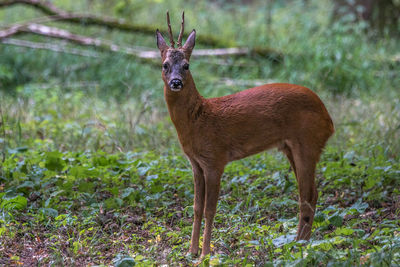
{"x":171,"y":37}
{"x":179,"y":43}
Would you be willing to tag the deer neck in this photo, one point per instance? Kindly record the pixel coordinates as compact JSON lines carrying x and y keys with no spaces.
{"x":184,"y":106}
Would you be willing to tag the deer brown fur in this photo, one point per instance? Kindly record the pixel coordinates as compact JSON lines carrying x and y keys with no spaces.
{"x":216,"y":131}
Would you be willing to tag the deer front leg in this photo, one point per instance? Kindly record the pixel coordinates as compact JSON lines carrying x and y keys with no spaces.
{"x":212,"y":182}
{"x":198,"y":206}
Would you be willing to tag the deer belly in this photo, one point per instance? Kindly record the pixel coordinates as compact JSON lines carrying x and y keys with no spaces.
{"x":251,"y":147}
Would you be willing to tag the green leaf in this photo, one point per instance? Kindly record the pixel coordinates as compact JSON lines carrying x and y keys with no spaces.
{"x":344,"y":231}
{"x":17,"y":150}
{"x":54,"y":162}
{"x":26,"y":184}
{"x":370,"y":182}
{"x":359,"y":206}
{"x":325,"y":244}
{"x":336,"y":220}
{"x":86,"y":186}
{"x":156,"y":188}
{"x":26,"y":187}
{"x":123,"y":261}
{"x":77,"y":171}
{"x":319,"y":217}
{"x":49,"y":212}
{"x":215,"y":261}
{"x":143,"y":170}
{"x":13,"y":203}
{"x":2,"y":230}
{"x":126,"y":192}
{"x":283,"y":240}
{"x":113,"y":203}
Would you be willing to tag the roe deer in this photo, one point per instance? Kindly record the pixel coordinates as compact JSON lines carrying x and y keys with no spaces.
{"x":215,"y":131}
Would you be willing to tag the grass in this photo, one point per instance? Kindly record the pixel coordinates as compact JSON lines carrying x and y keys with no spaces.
{"x":92,"y":172}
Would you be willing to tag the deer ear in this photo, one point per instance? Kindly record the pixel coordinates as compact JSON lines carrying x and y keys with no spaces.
{"x":189,"y":44}
{"x":161,"y":44}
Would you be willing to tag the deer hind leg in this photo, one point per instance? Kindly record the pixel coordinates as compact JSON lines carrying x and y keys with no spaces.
{"x":306,"y":158}
{"x":198,"y":206}
{"x":288,"y":152}
{"x":212,"y":182}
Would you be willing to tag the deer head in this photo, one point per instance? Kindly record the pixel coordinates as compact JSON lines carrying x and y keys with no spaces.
{"x":175,"y":61}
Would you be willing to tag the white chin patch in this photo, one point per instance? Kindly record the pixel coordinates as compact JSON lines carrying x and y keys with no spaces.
{"x":176,"y":89}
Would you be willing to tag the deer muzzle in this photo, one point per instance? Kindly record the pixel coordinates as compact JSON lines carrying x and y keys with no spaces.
{"x":176,"y":85}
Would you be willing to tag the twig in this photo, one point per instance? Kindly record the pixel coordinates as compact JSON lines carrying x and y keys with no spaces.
{"x":66,"y":85}
{"x":145,"y":105}
{"x":51,"y":47}
{"x":10,"y":31}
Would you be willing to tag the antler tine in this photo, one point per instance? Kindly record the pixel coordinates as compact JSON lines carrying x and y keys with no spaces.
{"x":179,"y":43}
{"x":171,"y":37}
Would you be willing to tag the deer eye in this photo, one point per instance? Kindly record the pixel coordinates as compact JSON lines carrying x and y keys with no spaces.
{"x":186,"y":66}
{"x":165,"y":66}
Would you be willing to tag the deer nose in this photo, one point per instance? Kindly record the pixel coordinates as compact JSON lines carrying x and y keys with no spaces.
{"x":175,"y":84}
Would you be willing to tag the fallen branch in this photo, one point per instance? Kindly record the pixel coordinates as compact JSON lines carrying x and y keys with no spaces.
{"x":71,"y":85}
{"x":62,"y":34}
{"x":46,"y":7}
{"x":10,"y":31}
{"x":51,"y":47}
{"x":101,"y":44}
